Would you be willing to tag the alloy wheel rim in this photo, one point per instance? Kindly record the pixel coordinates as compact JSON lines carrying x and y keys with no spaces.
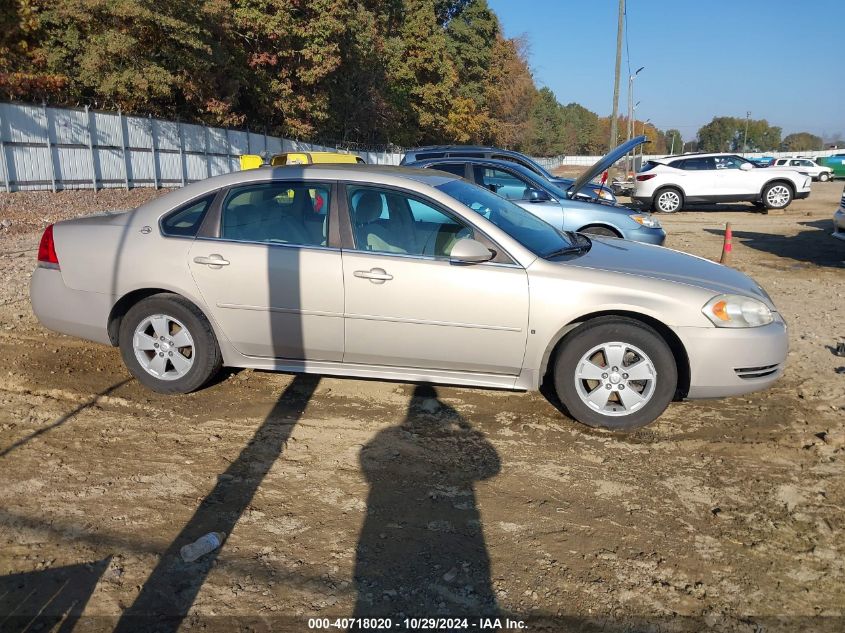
{"x":615,"y":379}
{"x":777,"y":196}
{"x":164,"y":347}
{"x":669,"y":201}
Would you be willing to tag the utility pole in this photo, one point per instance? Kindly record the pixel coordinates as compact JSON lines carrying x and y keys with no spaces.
{"x":745,"y":138}
{"x":631,"y":109}
{"x":615,"y":115}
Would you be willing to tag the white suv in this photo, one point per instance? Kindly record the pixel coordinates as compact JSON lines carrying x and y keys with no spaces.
{"x":666,"y":184}
{"x":806,"y":166}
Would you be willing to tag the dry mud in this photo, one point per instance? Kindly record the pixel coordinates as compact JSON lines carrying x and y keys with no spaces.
{"x":345,"y":497}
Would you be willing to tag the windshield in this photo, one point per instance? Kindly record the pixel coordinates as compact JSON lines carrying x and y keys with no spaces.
{"x":526,"y":228}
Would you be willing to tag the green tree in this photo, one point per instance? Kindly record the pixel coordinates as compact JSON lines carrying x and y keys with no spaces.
{"x":470,"y":37}
{"x":801,"y":142}
{"x":510,"y":93}
{"x":545,"y":135}
{"x":674,"y":141}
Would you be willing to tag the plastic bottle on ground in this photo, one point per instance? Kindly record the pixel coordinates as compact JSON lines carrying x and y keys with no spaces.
{"x":202,"y":546}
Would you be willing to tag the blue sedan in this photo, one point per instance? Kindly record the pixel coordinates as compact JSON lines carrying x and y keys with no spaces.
{"x":553,"y":204}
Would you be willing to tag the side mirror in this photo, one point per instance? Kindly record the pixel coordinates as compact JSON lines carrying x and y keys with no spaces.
{"x":469,"y":251}
{"x":746,"y":166}
{"x":538,"y":195}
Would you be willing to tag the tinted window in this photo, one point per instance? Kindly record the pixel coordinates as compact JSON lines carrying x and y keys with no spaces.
{"x":453,"y":168}
{"x":698,"y":164}
{"x":386,"y":221}
{"x":503,"y":183}
{"x":185,"y":221}
{"x":650,"y":164}
{"x":279,"y":213}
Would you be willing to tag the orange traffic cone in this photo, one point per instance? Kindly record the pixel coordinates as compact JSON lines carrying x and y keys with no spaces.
{"x":727,"y":247}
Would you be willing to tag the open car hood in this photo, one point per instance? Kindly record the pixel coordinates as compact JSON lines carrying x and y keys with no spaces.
{"x":605,"y":162}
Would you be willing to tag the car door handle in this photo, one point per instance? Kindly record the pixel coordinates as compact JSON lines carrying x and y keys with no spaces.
{"x":212,"y":261}
{"x":375,"y":275}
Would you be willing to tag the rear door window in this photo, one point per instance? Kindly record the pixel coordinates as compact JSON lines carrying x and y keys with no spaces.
{"x":186,"y":221}
{"x":279,"y":213}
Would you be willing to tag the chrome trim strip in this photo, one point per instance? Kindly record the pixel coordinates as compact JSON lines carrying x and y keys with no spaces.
{"x":476,"y":326}
{"x":237,"y":306}
{"x":428,"y":258}
{"x":231,"y":241}
{"x":369,"y":317}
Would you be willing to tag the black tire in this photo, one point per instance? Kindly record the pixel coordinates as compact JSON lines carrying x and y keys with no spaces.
{"x":602,"y":231}
{"x":824,"y":177}
{"x":786,"y":195}
{"x":205,"y":353}
{"x":668,"y":200}
{"x":629,"y":332}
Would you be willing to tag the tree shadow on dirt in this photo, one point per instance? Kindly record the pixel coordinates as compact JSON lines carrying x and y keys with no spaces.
{"x":814,"y":245}
{"x":421,"y":551}
{"x":63,"y":419}
{"x":173,"y":585}
{"x":50,"y":599}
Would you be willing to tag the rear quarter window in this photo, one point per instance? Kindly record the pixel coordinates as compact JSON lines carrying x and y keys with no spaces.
{"x":186,"y":220}
{"x":649,"y":165}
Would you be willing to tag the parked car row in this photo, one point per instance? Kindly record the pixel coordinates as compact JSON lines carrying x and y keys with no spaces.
{"x":806,"y":166}
{"x":667,"y":184}
{"x":460,"y":271}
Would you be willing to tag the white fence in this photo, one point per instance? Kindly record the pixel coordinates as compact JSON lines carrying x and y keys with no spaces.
{"x":50,"y":148}
{"x":62,"y":148}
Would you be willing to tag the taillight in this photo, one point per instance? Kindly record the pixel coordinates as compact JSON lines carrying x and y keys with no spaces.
{"x":643,"y":177}
{"x":47,"y":257}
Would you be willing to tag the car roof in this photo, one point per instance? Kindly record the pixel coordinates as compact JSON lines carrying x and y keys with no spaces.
{"x":461,"y":148}
{"x":480,"y":160}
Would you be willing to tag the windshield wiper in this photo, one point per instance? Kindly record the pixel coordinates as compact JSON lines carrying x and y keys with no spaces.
{"x":582,"y":247}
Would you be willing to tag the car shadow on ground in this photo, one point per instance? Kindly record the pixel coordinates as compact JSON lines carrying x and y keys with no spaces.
{"x":813,"y":246}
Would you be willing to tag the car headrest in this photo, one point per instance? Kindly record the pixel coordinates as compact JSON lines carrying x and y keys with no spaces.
{"x":368,"y":208}
{"x":243,"y":215}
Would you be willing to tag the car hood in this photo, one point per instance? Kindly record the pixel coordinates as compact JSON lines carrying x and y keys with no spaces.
{"x":605,"y":162}
{"x":657,"y":262}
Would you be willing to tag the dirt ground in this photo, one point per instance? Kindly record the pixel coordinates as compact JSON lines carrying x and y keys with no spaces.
{"x":345,"y":497}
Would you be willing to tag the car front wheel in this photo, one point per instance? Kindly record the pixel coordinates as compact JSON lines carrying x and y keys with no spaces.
{"x":777,"y":195}
{"x":168,"y":344}
{"x":615,"y":373}
{"x":824,"y":177}
{"x":668,"y":200}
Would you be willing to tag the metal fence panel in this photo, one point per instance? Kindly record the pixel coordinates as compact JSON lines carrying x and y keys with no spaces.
{"x":72,"y":148}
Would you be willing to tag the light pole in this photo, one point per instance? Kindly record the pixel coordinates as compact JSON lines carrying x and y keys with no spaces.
{"x":631,"y":107}
{"x":642,"y":147}
{"x":745,"y":138}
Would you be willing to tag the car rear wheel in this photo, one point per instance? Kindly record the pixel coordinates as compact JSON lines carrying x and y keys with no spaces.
{"x":824,"y":177}
{"x":615,"y":373}
{"x":668,"y":200}
{"x":599,"y":230}
{"x":777,"y":195}
{"x":168,"y":344}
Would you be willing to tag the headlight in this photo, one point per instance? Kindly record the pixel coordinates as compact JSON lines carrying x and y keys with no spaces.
{"x":737,"y":311}
{"x":606,"y":195}
{"x":648,"y":221}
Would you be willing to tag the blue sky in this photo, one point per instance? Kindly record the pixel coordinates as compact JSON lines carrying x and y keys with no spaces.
{"x":781,"y":59}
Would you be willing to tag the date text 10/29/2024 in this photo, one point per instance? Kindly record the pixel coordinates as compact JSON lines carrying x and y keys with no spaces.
{"x":417,"y":624}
